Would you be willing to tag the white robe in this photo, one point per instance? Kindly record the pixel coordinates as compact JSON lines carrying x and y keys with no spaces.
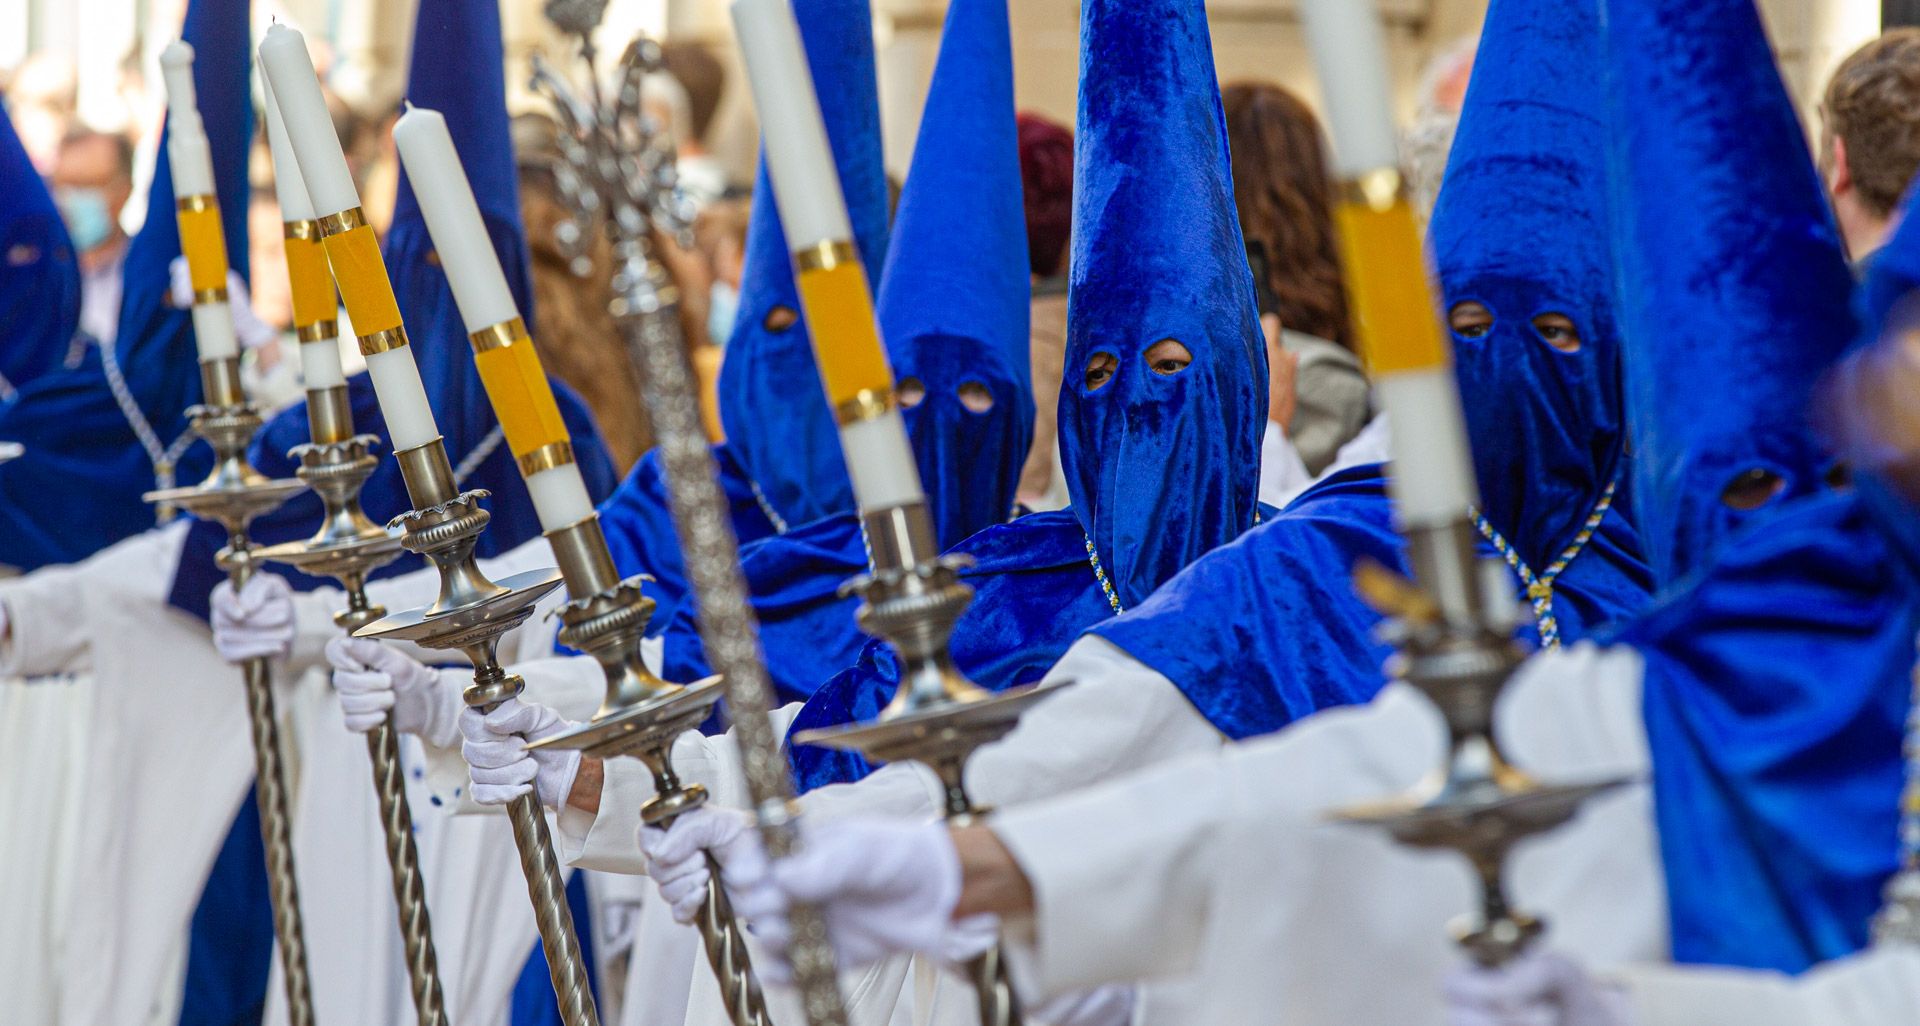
{"x":1222,"y":880}
{"x":1879,"y":987}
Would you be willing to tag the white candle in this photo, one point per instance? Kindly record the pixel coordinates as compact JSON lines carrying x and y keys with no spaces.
{"x":453,"y":219}
{"x":403,"y":399}
{"x":559,"y":497}
{"x":303,"y":112}
{"x":799,"y":158}
{"x":320,"y":365}
{"x":213,"y":334}
{"x":880,"y":462}
{"x":288,"y":184}
{"x":1351,"y":58}
{"x":191,"y":160}
{"x":1433,"y":478}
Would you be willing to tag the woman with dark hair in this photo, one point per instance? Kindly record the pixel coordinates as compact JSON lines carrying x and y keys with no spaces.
{"x":1284,"y":198}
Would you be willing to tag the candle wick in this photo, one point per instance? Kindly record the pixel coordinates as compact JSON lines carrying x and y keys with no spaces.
{"x":406,"y":102}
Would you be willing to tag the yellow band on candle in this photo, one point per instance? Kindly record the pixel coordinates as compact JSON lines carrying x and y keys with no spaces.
{"x":846,"y":340}
{"x":517,"y":386}
{"x":354,"y":254}
{"x":1387,"y":277}
{"x":312,"y":282}
{"x":203,"y":243}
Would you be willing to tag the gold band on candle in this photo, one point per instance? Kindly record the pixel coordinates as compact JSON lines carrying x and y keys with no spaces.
{"x":517,"y":387}
{"x":1387,"y":276}
{"x":318,"y":331}
{"x":498,"y":336}
{"x":202,"y":242}
{"x":846,"y":340}
{"x":307,"y":273}
{"x":547,"y":457}
{"x":201,"y":297}
{"x":376,"y":342}
{"x":354,"y":254}
{"x":867,"y":405}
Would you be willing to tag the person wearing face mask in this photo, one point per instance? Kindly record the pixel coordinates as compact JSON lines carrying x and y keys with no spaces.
{"x":39,"y":277}
{"x":92,"y":181}
{"x":1766,"y":690}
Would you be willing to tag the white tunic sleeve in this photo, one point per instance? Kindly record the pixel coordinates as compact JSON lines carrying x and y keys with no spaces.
{"x":1226,"y":867}
{"x":1880,"y":987}
{"x":47,"y":608}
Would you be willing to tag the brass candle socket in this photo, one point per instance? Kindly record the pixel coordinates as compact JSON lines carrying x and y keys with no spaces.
{"x":640,"y":717}
{"x":232,"y":496}
{"x":1460,"y":654}
{"x":937,"y":716}
{"x":471,"y":614}
{"x":348,"y":547}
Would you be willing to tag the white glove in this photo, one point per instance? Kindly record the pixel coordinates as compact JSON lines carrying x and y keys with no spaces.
{"x":249,"y":329}
{"x":257,"y":623}
{"x":375,"y":680}
{"x":677,"y":857}
{"x":1540,"y":988}
{"x":886,"y":887}
{"x":500,"y":765}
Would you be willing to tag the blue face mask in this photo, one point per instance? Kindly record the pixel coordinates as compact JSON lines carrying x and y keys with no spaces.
{"x":89,"y":223}
{"x":723,"y":308}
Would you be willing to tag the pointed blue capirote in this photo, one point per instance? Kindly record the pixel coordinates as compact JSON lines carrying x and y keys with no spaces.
{"x":39,"y":278}
{"x":1735,"y":294}
{"x":783,"y":435}
{"x":955,"y":297}
{"x":1162,"y":467}
{"x":78,"y":488}
{"x":1546,"y":423}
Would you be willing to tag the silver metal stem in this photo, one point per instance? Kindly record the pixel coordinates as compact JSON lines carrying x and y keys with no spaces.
{"x":548,"y":890}
{"x":409,"y":890}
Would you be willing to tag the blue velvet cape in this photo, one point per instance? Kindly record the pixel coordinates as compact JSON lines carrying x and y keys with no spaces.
{"x":1267,"y":629}
{"x":78,"y":488}
{"x":39,"y":277}
{"x":1775,"y":693}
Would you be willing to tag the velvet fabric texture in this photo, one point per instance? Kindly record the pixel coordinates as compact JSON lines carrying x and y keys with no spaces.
{"x":1520,"y":228}
{"x":638,"y":522}
{"x":1293,"y":638}
{"x":1775,"y":692}
{"x":953,"y":309}
{"x":955,"y":295}
{"x":460,"y":44}
{"x":39,"y":278}
{"x":78,"y":488}
{"x":1161,"y":467}
{"x":1734,"y":290}
{"x":780,"y":430}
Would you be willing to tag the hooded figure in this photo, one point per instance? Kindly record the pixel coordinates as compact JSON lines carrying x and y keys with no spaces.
{"x":1161,"y":420}
{"x":39,"y":278}
{"x":105,"y":433}
{"x":1707,"y":242}
{"x":448,"y":76}
{"x":953,"y":309}
{"x":1776,"y":685}
{"x":780,"y":465}
{"x":1521,"y":230}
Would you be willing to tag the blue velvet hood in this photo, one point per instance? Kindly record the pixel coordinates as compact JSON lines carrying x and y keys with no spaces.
{"x":782,"y":433}
{"x":39,"y":277}
{"x":1161,"y":467}
{"x":953,"y":308}
{"x":1734,"y":289}
{"x":1546,"y":425}
{"x":457,"y":71}
{"x":78,"y":489}
{"x":955,"y":297}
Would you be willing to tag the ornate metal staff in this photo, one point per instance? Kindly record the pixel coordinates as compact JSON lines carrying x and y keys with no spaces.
{"x":471,"y":612}
{"x":1453,"y":624}
{"x":1899,"y":919}
{"x":619,"y":179}
{"x":913,"y":595}
{"x":348,"y":546}
{"x":234,"y":493}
